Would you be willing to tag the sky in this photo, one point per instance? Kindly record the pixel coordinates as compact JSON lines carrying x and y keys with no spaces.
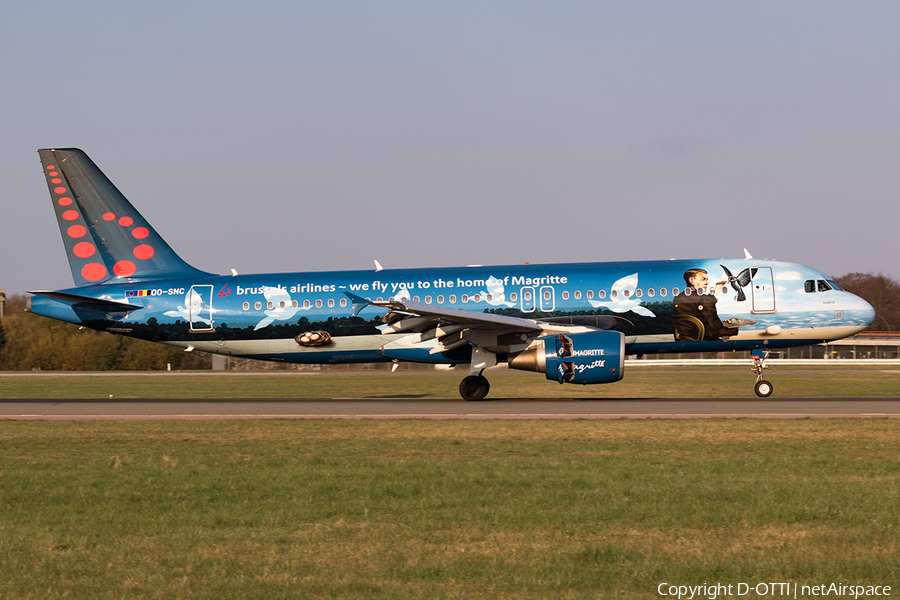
{"x":279,"y":136}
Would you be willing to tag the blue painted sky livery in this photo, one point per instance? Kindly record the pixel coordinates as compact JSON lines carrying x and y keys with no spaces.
{"x":574,"y":322}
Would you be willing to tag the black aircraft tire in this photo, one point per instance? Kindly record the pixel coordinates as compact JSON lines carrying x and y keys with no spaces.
{"x":763,"y":388}
{"x":474,"y":387}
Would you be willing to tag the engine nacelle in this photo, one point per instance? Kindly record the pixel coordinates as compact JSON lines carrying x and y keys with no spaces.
{"x":591,"y":357}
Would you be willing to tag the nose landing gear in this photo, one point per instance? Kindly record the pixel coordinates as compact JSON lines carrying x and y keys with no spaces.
{"x":763,"y":388}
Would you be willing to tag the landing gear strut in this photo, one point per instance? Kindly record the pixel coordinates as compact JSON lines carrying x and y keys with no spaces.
{"x":763,"y":388}
{"x":474,"y":387}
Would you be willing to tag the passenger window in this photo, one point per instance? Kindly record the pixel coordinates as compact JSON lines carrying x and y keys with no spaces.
{"x":282,"y":304}
{"x":343,"y":302}
{"x":318,"y":304}
{"x":476,"y":298}
{"x":546,"y":295}
{"x":246,"y":306}
{"x":258,"y":306}
{"x":465,"y":298}
{"x":452,"y":299}
{"x":638,"y":293}
{"x":427,"y":299}
{"x":440,"y":299}
{"x":489,"y":297}
{"x":415,"y":298}
{"x":675,"y":291}
{"x":601,"y":294}
{"x":651,"y":292}
{"x":513,"y":296}
{"x":614,"y":294}
{"x":294,"y":304}
{"x":330,"y":303}
{"x":306,"y":304}
{"x":270,"y":305}
{"x":663,"y":291}
{"x":565,"y":295}
{"x":527,"y":296}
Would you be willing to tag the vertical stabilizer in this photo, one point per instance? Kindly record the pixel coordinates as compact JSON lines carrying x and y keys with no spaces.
{"x":106,"y":239}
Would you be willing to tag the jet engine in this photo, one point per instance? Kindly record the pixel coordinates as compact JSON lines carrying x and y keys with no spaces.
{"x":591,"y":357}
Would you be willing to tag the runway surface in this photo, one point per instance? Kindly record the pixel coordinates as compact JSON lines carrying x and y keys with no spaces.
{"x":394,"y":408}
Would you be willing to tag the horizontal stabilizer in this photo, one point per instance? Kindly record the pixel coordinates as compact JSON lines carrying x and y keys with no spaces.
{"x":88,"y":302}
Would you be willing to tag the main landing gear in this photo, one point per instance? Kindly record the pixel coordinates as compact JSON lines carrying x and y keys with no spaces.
{"x":474,"y":387}
{"x":763,"y":388}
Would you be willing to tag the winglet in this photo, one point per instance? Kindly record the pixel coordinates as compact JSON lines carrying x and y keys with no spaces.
{"x":378,"y":266}
{"x":747,"y":254}
{"x":358,"y":303}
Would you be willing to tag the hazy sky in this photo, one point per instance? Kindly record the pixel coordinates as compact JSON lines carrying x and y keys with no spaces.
{"x":294,"y":136}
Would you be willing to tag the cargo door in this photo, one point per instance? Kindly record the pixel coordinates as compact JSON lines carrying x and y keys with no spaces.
{"x":201,"y":308}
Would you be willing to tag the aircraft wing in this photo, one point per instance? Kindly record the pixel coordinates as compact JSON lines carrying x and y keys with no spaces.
{"x":452,"y":327}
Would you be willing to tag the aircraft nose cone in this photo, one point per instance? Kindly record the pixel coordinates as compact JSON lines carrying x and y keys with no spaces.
{"x":863,"y":309}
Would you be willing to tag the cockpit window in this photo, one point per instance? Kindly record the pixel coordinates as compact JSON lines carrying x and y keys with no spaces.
{"x":823,"y":285}
{"x":810,"y":286}
{"x":834,"y":285}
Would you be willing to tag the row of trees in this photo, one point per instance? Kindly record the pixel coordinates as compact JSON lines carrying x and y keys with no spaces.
{"x":30,"y":342}
{"x":883,"y":293}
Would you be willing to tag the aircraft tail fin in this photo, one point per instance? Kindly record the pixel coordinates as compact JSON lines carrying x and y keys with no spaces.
{"x":106,"y":239}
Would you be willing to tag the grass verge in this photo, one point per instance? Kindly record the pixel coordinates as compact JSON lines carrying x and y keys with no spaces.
{"x":449,"y":509}
{"x":638,"y":383}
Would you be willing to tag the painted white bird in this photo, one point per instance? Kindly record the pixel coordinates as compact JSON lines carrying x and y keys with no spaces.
{"x":278,"y":313}
{"x":193,"y":309}
{"x":497,"y":293}
{"x":618,"y":302}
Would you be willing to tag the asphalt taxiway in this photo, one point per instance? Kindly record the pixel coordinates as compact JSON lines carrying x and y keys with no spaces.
{"x":450,"y":408}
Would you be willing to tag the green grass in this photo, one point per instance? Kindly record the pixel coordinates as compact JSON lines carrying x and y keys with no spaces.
{"x":638,"y":383}
{"x":449,"y":509}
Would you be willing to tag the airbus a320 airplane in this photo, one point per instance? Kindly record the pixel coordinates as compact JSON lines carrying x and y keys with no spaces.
{"x":574,"y":322}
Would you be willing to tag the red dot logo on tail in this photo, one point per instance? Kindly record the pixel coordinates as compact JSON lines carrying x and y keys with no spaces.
{"x":143,"y":251}
{"x":93,"y":271}
{"x":84,"y":249}
{"x":124,"y":268}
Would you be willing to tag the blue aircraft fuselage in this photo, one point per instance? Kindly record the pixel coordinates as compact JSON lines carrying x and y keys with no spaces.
{"x":573,"y":322}
{"x":261,"y":316}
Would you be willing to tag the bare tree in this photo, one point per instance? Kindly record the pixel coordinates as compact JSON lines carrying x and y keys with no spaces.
{"x":882,"y":292}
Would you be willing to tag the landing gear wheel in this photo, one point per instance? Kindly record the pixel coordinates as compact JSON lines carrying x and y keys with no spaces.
{"x":474,"y":387}
{"x":763,"y":388}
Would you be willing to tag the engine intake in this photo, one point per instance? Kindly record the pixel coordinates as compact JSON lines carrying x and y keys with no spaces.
{"x":592,"y":357}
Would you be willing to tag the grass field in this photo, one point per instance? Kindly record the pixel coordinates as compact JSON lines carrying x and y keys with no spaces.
{"x":449,"y":509}
{"x":656,"y":382}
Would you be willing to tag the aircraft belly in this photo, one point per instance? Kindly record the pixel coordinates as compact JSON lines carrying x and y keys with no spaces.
{"x":339,"y":348}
